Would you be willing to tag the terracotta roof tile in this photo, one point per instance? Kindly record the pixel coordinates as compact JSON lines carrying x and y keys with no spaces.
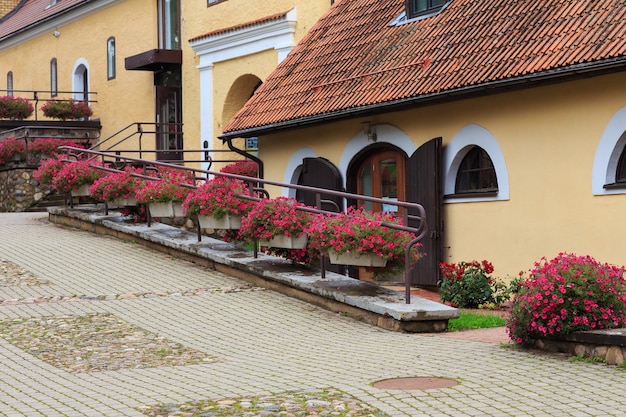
{"x":32,"y":12}
{"x":351,"y":59}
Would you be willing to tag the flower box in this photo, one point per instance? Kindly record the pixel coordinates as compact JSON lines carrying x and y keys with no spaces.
{"x":357,"y":259}
{"x":127,"y":202}
{"x":81,"y":191}
{"x":226,"y":222}
{"x":166,"y":209}
{"x":286,"y":242}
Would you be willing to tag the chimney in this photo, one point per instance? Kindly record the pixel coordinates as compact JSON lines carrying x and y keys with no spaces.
{"x":6,"y":6}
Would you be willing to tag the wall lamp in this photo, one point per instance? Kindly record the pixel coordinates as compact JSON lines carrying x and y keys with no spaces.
{"x":56,"y":33}
{"x":370,"y":131}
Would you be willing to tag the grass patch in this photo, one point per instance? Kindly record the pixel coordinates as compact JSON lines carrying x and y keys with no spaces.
{"x":470,"y":321}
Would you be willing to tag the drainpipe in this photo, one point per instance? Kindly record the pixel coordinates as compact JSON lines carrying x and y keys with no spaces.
{"x":245,"y":155}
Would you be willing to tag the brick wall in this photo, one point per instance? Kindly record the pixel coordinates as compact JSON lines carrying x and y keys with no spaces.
{"x":6,"y":6}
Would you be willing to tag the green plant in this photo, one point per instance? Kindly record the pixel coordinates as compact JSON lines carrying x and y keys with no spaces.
{"x":66,"y":109}
{"x":15,"y":108}
{"x":470,"y":285}
{"x":470,"y":321}
{"x":565,"y":294}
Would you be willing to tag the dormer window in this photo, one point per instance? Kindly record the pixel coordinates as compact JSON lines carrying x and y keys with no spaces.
{"x":415,"y":8}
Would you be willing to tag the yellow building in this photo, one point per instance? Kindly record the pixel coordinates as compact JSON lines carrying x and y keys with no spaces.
{"x":506,"y":120}
{"x":180,"y":68}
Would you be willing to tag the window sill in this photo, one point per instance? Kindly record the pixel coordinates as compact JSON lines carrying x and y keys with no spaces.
{"x":615,"y":186}
{"x":477,"y":194}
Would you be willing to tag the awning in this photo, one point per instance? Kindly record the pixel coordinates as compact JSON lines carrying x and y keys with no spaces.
{"x":155,"y":60}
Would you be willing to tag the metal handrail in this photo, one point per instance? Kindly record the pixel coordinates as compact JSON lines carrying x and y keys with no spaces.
{"x":419,"y":231}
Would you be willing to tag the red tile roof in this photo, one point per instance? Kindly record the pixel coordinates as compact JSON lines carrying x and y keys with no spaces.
{"x":353,"y":61}
{"x":33,"y":12}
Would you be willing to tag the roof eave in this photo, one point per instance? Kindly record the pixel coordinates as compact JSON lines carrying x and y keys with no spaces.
{"x":568,"y":73}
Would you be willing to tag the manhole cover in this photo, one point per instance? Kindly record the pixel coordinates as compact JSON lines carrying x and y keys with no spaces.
{"x":415,"y":383}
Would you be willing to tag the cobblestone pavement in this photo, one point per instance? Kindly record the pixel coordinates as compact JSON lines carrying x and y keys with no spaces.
{"x":93,"y":326}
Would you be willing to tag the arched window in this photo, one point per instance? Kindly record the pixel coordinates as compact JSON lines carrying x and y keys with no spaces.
{"x":111,"y":58}
{"x":476,"y":173}
{"x":10,"y":83}
{"x":620,"y":173}
{"x":54,"y":89}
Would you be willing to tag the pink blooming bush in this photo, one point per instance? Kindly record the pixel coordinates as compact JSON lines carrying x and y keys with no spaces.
{"x":273,"y":217}
{"x":16,"y":108}
{"x":566,"y":294}
{"x":170,"y":187}
{"x":243,"y":168}
{"x":116,"y":185}
{"x":218,"y":197}
{"x":470,"y":285}
{"x":75,"y":174}
{"x":360,"y":231}
{"x":66,"y":109}
{"x":10,"y":148}
{"x":48,"y":169}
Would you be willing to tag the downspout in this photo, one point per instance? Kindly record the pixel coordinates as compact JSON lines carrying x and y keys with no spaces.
{"x":245,"y":154}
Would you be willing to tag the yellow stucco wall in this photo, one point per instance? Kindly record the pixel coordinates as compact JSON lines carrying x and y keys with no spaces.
{"x":127,"y":98}
{"x":548,"y":137}
{"x":199,"y":20}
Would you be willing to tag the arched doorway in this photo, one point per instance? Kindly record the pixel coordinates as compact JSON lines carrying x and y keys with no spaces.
{"x":80,"y":83}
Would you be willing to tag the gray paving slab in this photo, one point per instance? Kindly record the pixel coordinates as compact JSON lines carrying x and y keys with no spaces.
{"x":265,"y":342}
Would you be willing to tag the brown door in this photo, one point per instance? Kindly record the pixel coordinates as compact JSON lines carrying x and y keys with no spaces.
{"x":424,"y":187}
{"x":169,"y":123}
{"x":382,"y":175}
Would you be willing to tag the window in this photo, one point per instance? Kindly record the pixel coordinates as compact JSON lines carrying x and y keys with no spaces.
{"x":423,"y":7}
{"x":169,"y":24}
{"x":382,"y":175}
{"x":53,"y":78}
{"x":620,"y":174}
{"x":10,"y":83}
{"x":476,"y":173}
{"x":111,"y":58}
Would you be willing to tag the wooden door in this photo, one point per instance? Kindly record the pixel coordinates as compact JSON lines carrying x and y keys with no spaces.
{"x":423,"y":186}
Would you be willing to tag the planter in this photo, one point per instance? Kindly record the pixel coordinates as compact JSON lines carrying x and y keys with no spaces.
{"x":226,"y":222}
{"x":286,"y":242}
{"x":167,"y":209}
{"x":128,"y":202}
{"x":360,"y":259}
{"x":82,"y":191}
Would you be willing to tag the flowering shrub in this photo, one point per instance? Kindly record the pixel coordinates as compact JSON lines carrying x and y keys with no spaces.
{"x":218,"y":198}
{"x":168,"y":188}
{"x":15,"y":108}
{"x":116,"y":185}
{"x":49,"y":146}
{"x":359,"y":231}
{"x":66,"y":109}
{"x":274,"y":217}
{"x":243,"y":168}
{"x":469,"y":285}
{"x":10,"y":148}
{"x":48,"y":169}
{"x":566,"y":294}
{"x":74,"y":174}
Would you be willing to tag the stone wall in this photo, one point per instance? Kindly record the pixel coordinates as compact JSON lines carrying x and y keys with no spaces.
{"x":607,"y":345}
{"x":19,"y":190}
